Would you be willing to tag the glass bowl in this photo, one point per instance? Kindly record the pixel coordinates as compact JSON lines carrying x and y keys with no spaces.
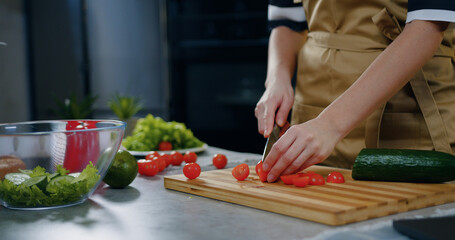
{"x":58,"y":163}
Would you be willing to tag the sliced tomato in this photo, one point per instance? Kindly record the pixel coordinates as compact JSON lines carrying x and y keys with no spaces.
{"x":176,"y":158}
{"x":316,"y":179}
{"x":287,"y":179}
{"x":192,"y":170}
{"x":261,"y":173}
{"x":335,"y":177}
{"x":190,"y":157}
{"x":301,"y":181}
{"x":147,"y":167}
{"x":241,"y":172}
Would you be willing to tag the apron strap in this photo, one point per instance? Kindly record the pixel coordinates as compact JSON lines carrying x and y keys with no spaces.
{"x":391,"y":28}
{"x":430,"y":112}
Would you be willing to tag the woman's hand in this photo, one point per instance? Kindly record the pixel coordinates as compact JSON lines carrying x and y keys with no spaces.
{"x":274,"y":106}
{"x":302,"y":146}
{"x":277,"y":100}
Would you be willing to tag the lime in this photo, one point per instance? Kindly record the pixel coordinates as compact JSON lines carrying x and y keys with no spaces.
{"x":122,"y":171}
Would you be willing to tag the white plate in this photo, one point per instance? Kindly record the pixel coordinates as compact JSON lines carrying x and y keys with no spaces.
{"x":144,"y":153}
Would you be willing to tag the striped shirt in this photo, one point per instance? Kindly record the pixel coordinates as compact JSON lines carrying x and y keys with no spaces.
{"x":290,"y":14}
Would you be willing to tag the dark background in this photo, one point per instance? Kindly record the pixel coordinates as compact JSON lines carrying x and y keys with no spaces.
{"x":200,"y":62}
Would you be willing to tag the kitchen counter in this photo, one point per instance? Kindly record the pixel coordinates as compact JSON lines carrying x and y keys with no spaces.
{"x":146,"y":210}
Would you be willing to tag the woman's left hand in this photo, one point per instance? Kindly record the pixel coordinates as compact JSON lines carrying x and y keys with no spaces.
{"x":300,"y":147}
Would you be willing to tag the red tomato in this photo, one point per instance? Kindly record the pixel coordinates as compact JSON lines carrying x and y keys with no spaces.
{"x":335,"y":177}
{"x":261,"y":173}
{"x":219,"y":161}
{"x":166,"y":158}
{"x":191,"y":170}
{"x":287,"y":179}
{"x":176,"y":158}
{"x":165,"y":146}
{"x":316,"y":179}
{"x":241,"y":172}
{"x":161,"y":163}
{"x":151,"y":155}
{"x":301,"y":181}
{"x":147,"y":167}
{"x":190,"y":157}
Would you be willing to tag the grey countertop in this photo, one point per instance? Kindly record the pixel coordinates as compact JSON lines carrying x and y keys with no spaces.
{"x":146,"y":210}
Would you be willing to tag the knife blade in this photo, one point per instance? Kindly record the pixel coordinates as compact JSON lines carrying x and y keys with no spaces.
{"x":274,"y":136}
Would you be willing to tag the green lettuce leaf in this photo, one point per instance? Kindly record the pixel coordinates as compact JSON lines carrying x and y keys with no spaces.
{"x":150,"y":131}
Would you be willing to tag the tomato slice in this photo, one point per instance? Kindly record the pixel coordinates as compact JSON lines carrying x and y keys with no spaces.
{"x":241,"y":172}
{"x":301,"y":181}
{"x":335,"y":177}
{"x":287,"y":179}
{"x":219,"y":161}
{"x":190,"y":157}
{"x":147,"y":167}
{"x":316,"y":179}
{"x":261,"y":173}
{"x":191,"y":170}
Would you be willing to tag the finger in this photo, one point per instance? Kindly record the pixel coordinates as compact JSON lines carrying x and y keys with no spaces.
{"x":283,"y":112}
{"x":258,"y":112}
{"x":304,"y":156}
{"x":310,"y":162}
{"x":288,"y":154}
{"x":277,"y":150}
{"x":268,"y":118}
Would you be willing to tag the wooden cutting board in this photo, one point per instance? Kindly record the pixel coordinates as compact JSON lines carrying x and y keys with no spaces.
{"x":332,"y":204}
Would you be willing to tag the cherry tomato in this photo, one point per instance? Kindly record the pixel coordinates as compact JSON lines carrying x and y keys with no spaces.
{"x":287,"y":179}
{"x":151,"y":155}
{"x":316,"y":179}
{"x":219,"y":161}
{"x":190,"y":157}
{"x":165,"y":146}
{"x":176,"y":158}
{"x":147,"y":167}
{"x":261,"y":173}
{"x":161,"y":163}
{"x":301,"y":181}
{"x":192,"y":170}
{"x":241,"y":172}
{"x":167,"y":158}
{"x":335,"y":177}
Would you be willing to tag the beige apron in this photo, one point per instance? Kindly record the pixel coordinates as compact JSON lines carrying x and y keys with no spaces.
{"x":343,"y":40}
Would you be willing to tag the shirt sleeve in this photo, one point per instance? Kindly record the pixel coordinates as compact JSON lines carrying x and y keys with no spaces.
{"x":434,"y":10}
{"x":286,"y":13}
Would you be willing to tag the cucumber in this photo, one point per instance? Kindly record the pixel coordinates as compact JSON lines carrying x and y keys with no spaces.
{"x":17,"y":178}
{"x":55,"y":184}
{"x":39,"y":181}
{"x":404,"y":165}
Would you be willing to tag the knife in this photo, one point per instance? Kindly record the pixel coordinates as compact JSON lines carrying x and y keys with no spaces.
{"x":277,"y":132}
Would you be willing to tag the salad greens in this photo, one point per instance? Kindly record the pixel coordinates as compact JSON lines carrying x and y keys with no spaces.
{"x":53,"y":189}
{"x":150,"y":131}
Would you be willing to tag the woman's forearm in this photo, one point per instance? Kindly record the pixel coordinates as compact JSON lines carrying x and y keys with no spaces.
{"x":284,"y":46}
{"x":391,"y":70}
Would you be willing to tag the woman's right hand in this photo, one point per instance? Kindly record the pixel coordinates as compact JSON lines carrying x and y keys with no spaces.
{"x":277,"y":100}
{"x":274,"y":105}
